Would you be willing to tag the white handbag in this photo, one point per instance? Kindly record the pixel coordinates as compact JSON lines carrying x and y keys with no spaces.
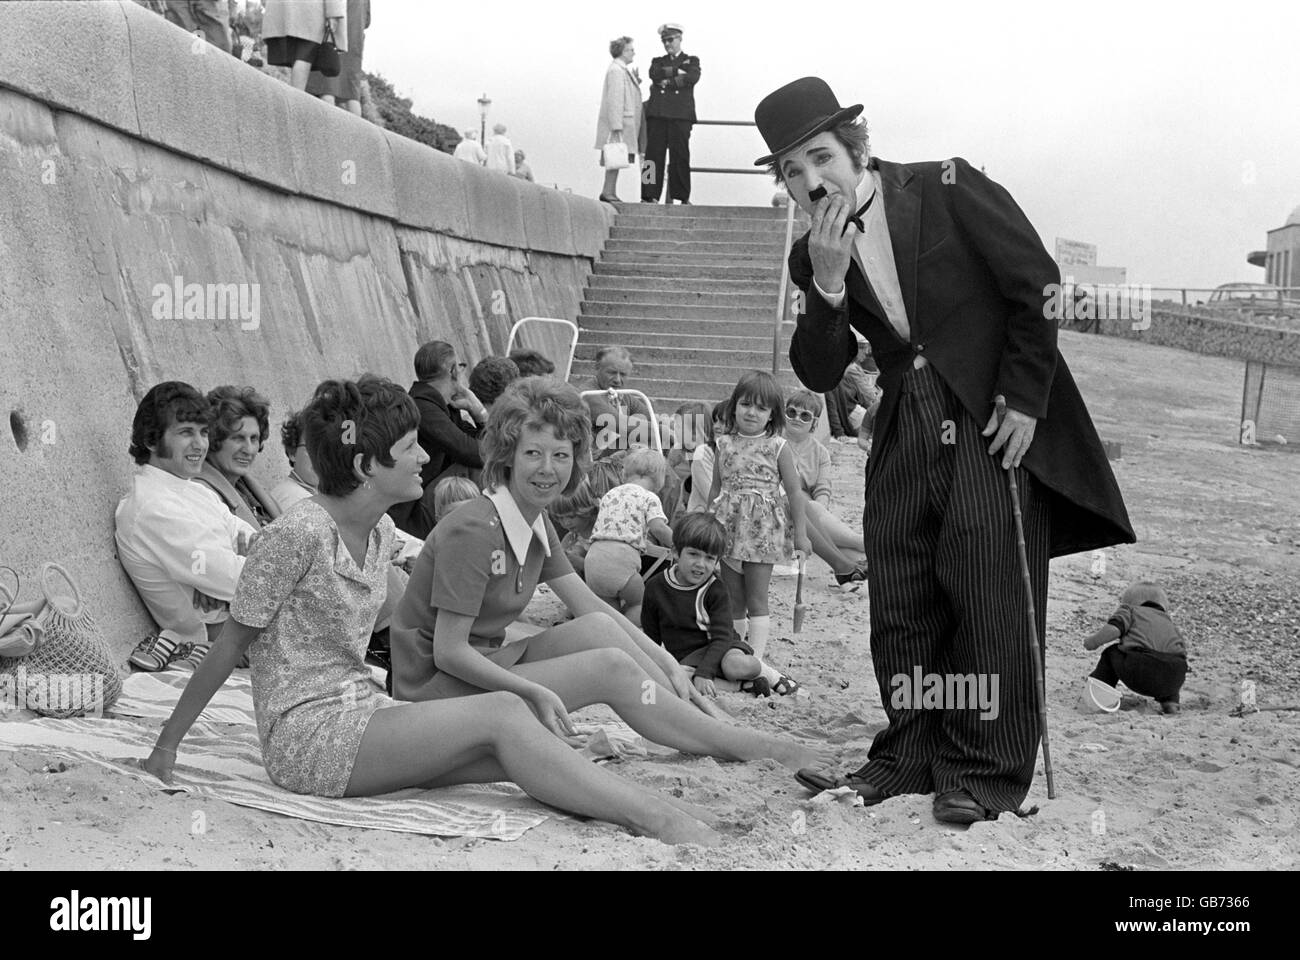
{"x":615,"y":155}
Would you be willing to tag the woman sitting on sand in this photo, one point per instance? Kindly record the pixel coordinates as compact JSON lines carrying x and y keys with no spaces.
{"x":308,"y":594}
{"x":478,"y":571}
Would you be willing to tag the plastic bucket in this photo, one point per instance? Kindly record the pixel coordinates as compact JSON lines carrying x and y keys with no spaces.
{"x":1098,"y":697}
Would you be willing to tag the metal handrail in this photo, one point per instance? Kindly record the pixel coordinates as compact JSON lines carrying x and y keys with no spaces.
{"x":785,"y":280}
{"x":727,"y":123}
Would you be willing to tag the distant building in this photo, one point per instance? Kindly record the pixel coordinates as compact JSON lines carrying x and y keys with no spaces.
{"x":1078,"y":264}
{"x":1281,"y":261}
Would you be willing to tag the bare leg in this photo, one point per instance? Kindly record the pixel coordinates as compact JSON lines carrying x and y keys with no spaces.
{"x":590,"y":632}
{"x":740,"y":666}
{"x":735,"y":581}
{"x":824,"y":548}
{"x":300,"y":72}
{"x":421,"y":743}
{"x":630,"y":597}
{"x":758,"y":578}
{"x":611,"y":184}
{"x":839,"y":532}
{"x":585,"y":667}
{"x":655,"y":712}
{"x":353,"y":106}
{"x":327,"y":98}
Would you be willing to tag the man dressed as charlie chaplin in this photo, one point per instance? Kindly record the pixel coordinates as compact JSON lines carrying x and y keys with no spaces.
{"x":937,"y":266}
{"x":669,"y":115}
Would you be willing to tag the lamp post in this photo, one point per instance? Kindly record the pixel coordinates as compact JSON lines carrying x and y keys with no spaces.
{"x":483,"y":104}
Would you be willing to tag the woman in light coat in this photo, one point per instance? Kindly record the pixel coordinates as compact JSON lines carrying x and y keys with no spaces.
{"x":293,"y":29}
{"x":620,"y":110}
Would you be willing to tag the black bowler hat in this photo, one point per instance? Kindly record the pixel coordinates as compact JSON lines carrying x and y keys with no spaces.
{"x":796,"y":113}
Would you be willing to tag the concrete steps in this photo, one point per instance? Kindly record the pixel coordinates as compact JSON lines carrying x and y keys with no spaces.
{"x":685,"y":273}
{"x":741,"y":297}
{"x":691,"y":292}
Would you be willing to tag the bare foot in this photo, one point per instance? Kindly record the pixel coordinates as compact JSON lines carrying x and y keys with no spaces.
{"x":690,"y":809}
{"x":684,"y":829}
{"x":668,"y":824}
{"x":795,"y":755}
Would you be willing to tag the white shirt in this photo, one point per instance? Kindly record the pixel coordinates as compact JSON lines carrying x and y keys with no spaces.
{"x":874,"y":254}
{"x":470,"y":151}
{"x":500,"y":153}
{"x":175,"y":536}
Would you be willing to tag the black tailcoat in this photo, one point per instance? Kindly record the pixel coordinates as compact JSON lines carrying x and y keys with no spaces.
{"x":974,"y":277}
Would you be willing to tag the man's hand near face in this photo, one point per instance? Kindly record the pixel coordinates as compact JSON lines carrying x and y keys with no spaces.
{"x":830,"y":244}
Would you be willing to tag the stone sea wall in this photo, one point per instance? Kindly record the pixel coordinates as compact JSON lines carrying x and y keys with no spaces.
{"x":136,"y":164}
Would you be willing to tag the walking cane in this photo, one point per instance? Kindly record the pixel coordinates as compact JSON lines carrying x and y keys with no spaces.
{"x":1040,"y":694}
{"x":798,"y":597}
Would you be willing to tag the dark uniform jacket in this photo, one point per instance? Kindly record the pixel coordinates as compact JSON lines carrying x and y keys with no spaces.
{"x":973,"y":275}
{"x":672,"y":87}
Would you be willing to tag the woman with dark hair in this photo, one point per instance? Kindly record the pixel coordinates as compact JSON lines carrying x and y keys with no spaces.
{"x":239,"y":423}
{"x":620,"y":111}
{"x":491,"y":376}
{"x":309,"y":590}
{"x":531,"y":363}
{"x":478,"y":571}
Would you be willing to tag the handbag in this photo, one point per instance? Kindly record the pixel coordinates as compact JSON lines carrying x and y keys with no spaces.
{"x":614,"y":155}
{"x":70,"y":671}
{"x":326,"y":61}
{"x":19,"y":632}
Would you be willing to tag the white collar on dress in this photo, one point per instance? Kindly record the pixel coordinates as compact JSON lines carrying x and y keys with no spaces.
{"x":517,"y":529}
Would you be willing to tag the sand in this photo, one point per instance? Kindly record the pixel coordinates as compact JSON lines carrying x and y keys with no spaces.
{"x":1217,"y":523}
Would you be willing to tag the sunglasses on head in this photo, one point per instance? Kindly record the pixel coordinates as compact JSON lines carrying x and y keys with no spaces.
{"x":794,"y":413}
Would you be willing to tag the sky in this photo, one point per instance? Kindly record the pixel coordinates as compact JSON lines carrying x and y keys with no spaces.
{"x":1167,"y":134}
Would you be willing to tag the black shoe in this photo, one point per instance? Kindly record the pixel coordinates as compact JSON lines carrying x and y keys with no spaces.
{"x":817,"y":782}
{"x":852,"y":580}
{"x":759,"y":687}
{"x":958,"y":806}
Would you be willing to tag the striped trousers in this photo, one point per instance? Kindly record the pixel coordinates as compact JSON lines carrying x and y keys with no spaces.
{"x":948,"y":599}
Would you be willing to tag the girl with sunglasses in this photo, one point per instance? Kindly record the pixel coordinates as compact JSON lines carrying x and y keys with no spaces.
{"x":832,"y":539}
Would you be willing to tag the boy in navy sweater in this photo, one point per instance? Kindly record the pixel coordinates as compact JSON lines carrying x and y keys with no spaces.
{"x":687,"y":609}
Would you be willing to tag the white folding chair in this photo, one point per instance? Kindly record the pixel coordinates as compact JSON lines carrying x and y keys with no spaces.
{"x":559,"y":352}
{"x":612,"y":396}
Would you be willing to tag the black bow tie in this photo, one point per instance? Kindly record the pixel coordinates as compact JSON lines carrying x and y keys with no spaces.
{"x":856,"y":219}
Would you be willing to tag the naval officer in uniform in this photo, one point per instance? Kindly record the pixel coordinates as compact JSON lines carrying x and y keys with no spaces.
{"x":670,"y":113}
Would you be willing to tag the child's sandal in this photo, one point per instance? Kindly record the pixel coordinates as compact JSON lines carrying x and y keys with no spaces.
{"x":785,"y":686}
{"x":759,"y":687}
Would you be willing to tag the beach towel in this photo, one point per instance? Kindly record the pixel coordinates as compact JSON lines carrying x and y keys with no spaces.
{"x":222,"y":759}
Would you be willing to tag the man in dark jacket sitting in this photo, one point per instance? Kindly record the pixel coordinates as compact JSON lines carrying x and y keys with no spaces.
{"x":446,"y":437}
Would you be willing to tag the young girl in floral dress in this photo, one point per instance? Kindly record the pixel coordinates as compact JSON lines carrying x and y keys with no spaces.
{"x":753,"y":463}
